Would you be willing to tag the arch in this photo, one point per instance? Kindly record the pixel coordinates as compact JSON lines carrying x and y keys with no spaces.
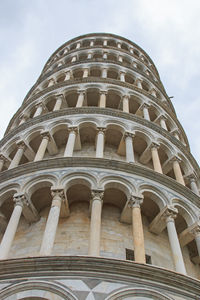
{"x":28,"y":286}
{"x":137,"y":292}
{"x":184,"y":210}
{"x":117,"y":182}
{"x":157,"y":196}
{"x":78,"y":177}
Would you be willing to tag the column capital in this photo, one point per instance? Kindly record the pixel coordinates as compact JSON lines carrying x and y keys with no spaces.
{"x":39,"y":104}
{"x":101,"y":129}
{"x":195,"y":230}
{"x":122,"y":72}
{"x":170,"y":213}
{"x":58,"y":192}
{"x":45,"y":134}
{"x":21,"y":145}
{"x":155,"y":145}
{"x":103,"y":92}
{"x":3,"y":157}
{"x":73,"y":128}
{"x":59,"y":96}
{"x":145,"y":105}
{"x":126,"y":96}
{"x":24,"y":116}
{"x":129,"y":134}
{"x":135,"y":201}
{"x":191,"y":177}
{"x":139,"y":80}
{"x":162,"y":117}
{"x":97,"y":194}
{"x":176,"y":158}
{"x":20,"y":199}
{"x":81,"y":92}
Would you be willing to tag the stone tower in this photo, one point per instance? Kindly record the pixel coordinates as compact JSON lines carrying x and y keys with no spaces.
{"x":99,"y":193}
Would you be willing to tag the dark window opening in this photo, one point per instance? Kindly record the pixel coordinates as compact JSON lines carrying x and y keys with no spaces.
{"x":130,"y":256}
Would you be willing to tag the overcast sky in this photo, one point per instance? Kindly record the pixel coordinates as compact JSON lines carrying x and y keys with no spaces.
{"x":168,"y":30}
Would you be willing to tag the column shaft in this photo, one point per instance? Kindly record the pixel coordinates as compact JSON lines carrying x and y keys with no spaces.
{"x":52,"y":224}
{"x":85,"y":73}
{"x":175,"y":246}
{"x":100,"y":143}
{"x":16,"y":159}
{"x":102,"y":100}
{"x":129,"y":147}
{"x":163,"y":124}
{"x":138,"y":235}
{"x":38,"y":111}
{"x":156,"y":160}
{"x":80,"y":99}
{"x":58,"y":103}
{"x":11,"y":229}
{"x":146,"y":112}
{"x":126,"y":104}
{"x":95,"y":224}
{"x":42,"y":148}
{"x":178,"y":172}
{"x":70,"y":143}
{"x":1,"y":163}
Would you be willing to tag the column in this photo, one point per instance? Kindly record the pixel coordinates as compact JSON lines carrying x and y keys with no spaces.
{"x":119,"y":45}
{"x":145,"y":108}
{"x":92,"y":43}
{"x":129,"y":147}
{"x":153,"y":91}
{"x":104,"y":73}
{"x":23,"y":119}
{"x":100,"y":142}
{"x":170,"y":215}
{"x":105,"y":43}
{"x":52,"y":222}
{"x":162,"y":122}
{"x":58,"y":104}
{"x":89,"y":55}
{"x":120,"y":59}
{"x":105,"y":55}
{"x":138,"y":235}
{"x":78,"y":45}
{"x":177,"y":170}
{"x":39,"y":109}
{"x":85,"y":72}
{"x":134,"y":64}
{"x":126,"y":103}
{"x":69,"y":149}
{"x":7,"y":240}
{"x":122,"y":76}
{"x":18,"y":155}
{"x":193,"y":184}
{"x":139,"y":83}
{"x":60,"y":64}
{"x":43,"y":146}
{"x":80,"y":100}
{"x":155,"y":158}
{"x":3,"y":159}
{"x":51,"y":82}
{"x":95,"y":222}
{"x":175,"y":133}
{"x":67,"y":75}
{"x":73,"y":59}
{"x":102,"y":99}
{"x":131,"y":50}
{"x":196,"y":234}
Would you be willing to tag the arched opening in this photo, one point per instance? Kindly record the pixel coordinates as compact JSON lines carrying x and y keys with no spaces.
{"x":112,"y":74}
{"x":92,"y":97}
{"x":77,"y":74}
{"x":71,"y":98}
{"x":113,"y":138}
{"x":113,"y":100}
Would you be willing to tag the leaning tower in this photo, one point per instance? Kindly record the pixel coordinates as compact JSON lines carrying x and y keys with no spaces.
{"x":99,"y":193}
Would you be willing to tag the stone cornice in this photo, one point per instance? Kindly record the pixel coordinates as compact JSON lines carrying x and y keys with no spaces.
{"x":56,"y":267}
{"x":101,"y":163}
{"x":99,"y":80}
{"x":108,"y":112}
